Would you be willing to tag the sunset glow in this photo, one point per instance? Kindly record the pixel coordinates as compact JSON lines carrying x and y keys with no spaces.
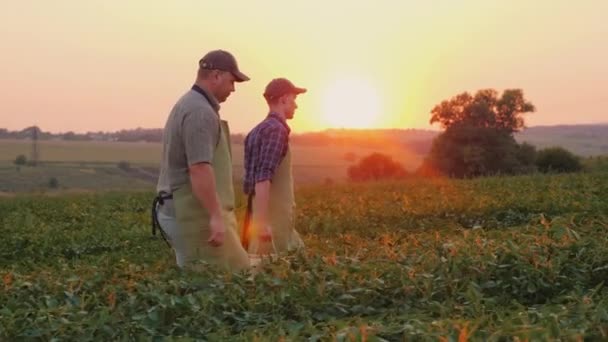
{"x":111,"y":65}
{"x":351,"y":103}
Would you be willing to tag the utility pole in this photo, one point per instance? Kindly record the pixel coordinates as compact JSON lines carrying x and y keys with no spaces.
{"x":35,"y":153}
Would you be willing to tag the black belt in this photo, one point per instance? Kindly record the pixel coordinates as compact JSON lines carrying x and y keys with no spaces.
{"x":159,"y":199}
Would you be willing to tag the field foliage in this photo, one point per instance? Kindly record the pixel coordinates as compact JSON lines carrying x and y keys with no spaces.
{"x":499,"y":259}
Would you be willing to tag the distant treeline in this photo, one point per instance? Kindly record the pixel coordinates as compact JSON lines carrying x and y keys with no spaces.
{"x":127,"y":135}
{"x":415,"y":140}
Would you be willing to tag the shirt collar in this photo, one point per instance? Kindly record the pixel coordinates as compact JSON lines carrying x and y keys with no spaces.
{"x":210,"y":98}
{"x":281,"y":119}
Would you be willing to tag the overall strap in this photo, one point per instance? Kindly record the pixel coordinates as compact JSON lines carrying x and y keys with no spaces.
{"x":159,"y":200}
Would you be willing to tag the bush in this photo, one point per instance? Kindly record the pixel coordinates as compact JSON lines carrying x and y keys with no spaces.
{"x":53,"y":183}
{"x":526,"y":153}
{"x":428,"y":170}
{"x":350,"y":157}
{"x":526,"y":156}
{"x":124,"y":165}
{"x":557,"y":159}
{"x":376,"y":166}
{"x":20,"y":160}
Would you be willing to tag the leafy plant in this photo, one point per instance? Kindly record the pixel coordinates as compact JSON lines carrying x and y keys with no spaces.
{"x":498,"y":258}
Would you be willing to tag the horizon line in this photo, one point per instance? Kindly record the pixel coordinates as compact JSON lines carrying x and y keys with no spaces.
{"x":604,"y":123}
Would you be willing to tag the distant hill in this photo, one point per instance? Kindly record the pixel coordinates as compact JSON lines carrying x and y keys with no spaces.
{"x":584,"y":140}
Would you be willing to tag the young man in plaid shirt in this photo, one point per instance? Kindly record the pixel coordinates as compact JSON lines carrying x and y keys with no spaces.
{"x":268,"y":182}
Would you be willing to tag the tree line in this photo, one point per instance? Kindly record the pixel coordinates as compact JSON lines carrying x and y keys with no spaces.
{"x":417,"y":141}
{"x":477,"y":140}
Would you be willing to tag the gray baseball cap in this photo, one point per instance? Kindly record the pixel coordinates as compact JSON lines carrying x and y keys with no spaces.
{"x":222,"y":60}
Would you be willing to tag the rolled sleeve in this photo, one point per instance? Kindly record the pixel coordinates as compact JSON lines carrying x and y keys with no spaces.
{"x":272,"y":151}
{"x":200,"y":133}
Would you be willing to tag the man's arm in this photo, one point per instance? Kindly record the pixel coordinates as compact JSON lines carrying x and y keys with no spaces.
{"x":272,"y":153}
{"x":261,"y":200}
{"x":200,"y":131}
{"x":202,"y":179}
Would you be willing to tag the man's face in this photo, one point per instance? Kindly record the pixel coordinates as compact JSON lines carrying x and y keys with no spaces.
{"x":290,"y":105}
{"x":224,"y":85}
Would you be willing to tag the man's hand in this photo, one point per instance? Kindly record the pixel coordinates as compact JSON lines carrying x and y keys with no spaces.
{"x":216,"y":223}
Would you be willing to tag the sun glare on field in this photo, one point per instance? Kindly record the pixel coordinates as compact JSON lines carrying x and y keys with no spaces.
{"x":351,"y":103}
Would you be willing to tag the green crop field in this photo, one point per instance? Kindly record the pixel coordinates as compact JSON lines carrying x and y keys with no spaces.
{"x":497,"y":259}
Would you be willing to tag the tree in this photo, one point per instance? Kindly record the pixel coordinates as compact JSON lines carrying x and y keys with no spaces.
{"x":471,"y":152}
{"x":478,"y":138}
{"x":376,"y":166}
{"x":484,"y":110}
{"x":557,"y":159}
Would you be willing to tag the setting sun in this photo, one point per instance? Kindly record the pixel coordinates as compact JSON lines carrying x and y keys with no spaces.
{"x":351,"y":103}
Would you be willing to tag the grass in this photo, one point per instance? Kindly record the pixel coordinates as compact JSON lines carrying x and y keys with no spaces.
{"x":72,"y":177}
{"x":82,"y":151}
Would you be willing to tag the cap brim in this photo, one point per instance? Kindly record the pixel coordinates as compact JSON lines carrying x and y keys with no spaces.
{"x":239,"y":76}
{"x":297,"y":90}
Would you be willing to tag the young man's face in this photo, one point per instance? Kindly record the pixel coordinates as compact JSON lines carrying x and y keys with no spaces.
{"x":290,"y":105}
{"x":224,"y":85}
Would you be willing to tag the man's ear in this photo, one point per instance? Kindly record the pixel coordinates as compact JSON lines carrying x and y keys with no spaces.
{"x":217,"y":75}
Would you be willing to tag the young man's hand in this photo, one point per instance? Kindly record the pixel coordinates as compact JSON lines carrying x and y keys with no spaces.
{"x":266,"y":234}
{"x":216,"y":224}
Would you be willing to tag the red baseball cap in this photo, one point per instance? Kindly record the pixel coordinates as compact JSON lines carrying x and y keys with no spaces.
{"x":281,"y":86}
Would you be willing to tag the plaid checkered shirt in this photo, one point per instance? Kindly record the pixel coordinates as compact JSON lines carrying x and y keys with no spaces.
{"x":265,"y":148}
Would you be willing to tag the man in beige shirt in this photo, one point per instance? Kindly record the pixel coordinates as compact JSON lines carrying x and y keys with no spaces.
{"x":196,"y":196}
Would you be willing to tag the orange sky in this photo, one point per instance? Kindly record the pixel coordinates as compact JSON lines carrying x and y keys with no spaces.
{"x":107,"y":65}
